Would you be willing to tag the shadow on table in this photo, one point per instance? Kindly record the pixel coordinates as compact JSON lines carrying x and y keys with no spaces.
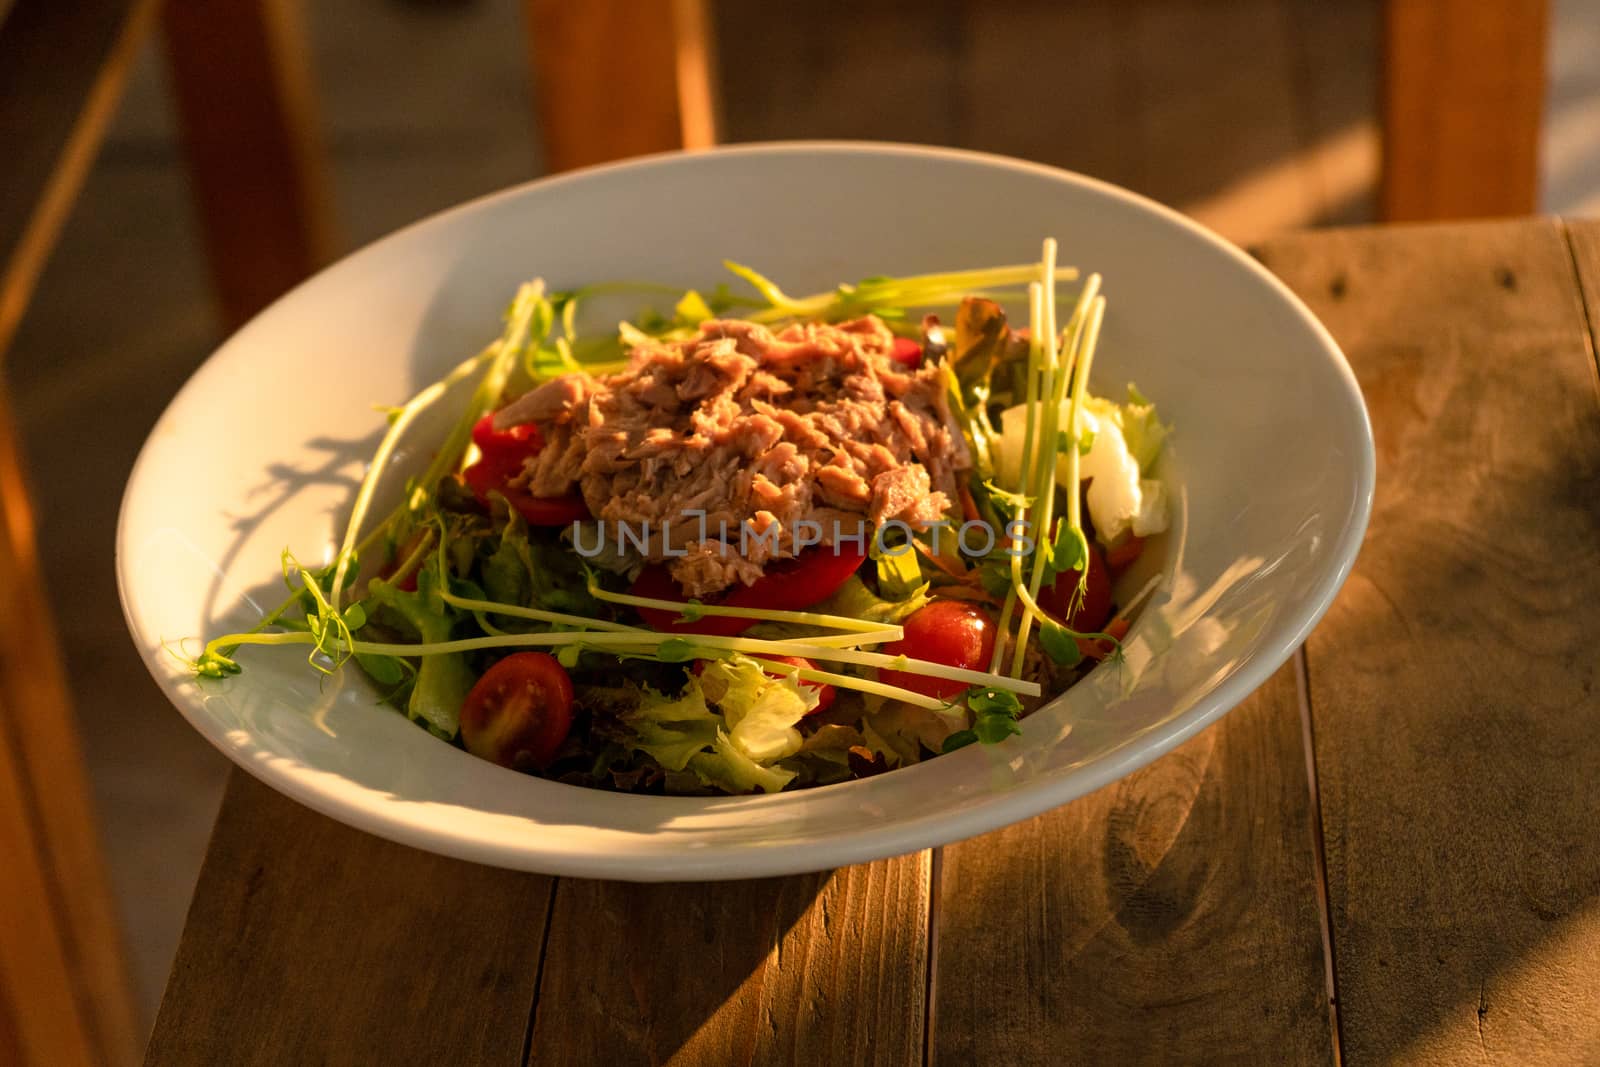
{"x":680,"y":971}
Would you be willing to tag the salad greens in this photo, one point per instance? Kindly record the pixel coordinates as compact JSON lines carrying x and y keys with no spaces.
{"x":429,"y":598}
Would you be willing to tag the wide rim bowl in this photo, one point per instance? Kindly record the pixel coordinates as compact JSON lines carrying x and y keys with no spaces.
{"x":1272,"y":473}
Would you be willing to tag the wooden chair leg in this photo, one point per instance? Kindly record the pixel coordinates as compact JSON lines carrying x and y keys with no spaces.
{"x":64,"y":994}
{"x":1463,"y":97}
{"x":620,"y":78}
{"x":242,"y":83}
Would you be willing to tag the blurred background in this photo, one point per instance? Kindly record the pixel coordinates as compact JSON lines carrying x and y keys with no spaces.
{"x":1253,"y":116}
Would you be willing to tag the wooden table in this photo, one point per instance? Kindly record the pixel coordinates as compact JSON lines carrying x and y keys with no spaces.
{"x":1387,"y":854}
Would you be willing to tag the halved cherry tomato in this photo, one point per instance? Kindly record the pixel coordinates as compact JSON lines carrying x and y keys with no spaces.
{"x":519,"y":712}
{"x":503,"y":454}
{"x":826,"y":694}
{"x":952,"y":632}
{"x":788,"y":585}
{"x":906,"y":352}
{"x":1096,"y":607}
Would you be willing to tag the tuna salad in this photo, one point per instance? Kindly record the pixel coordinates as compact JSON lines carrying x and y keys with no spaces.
{"x":814,"y":423}
{"x":752,"y":542}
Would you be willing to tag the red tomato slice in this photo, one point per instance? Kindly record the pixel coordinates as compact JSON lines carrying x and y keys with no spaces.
{"x":952,"y":632}
{"x":511,"y":445}
{"x":519,"y":712}
{"x":503,"y":454}
{"x":1092,"y":614}
{"x":788,"y":585}
{"x":547,"y":510}
{"x":906,"y":352}
{"x":483,"y":476}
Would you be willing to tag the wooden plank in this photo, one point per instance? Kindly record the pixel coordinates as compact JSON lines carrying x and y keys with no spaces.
{"x":824,"y":968}
{"x":1454,"y":685}
{"x":1171,"y":917}
{"x":309,"y":942}
{"x":614,"y":79}
{"x":62,"y":69}
{"x":1463,"y":100}
{"x":242,"y":84}
{"x":62,"y":970}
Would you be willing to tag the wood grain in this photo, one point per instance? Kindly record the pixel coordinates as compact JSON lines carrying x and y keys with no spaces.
{"x":614,"y":79}
{"x":1171,"y":917}
{"x":242,"y":84}
{"x":1463,"y":99}
{"x":309,"y":942}
{"x":1455,"y":688}
{"x":823,"y":968}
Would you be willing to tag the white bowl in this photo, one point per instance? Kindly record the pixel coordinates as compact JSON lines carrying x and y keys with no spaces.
{"x":1271,"y":466}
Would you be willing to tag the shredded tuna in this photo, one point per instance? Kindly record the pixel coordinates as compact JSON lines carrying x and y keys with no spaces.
{"x":767,"y":430}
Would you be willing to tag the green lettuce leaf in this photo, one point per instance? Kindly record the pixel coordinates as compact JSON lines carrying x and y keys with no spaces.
{"x":761,"y":710}
{"x":442,"y":681}
{"x":1143,"y":431}
{"x":728,"y":768}
{"x":982,"y":341}
{"x":900,"y":731}
{"x":672,"y":730}
{"x":854,"y":600}
{"x":534,"y":573}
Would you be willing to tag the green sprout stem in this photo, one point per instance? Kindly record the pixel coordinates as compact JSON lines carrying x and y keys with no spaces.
{"x":692,"y":610}
{"x":646,"y":640}
{"x":1081,"y":335}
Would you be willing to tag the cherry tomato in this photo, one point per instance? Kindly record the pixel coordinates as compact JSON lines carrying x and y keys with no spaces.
{"x":788,"y":585}
{"x":952,"y":632}
{"x":519,"y":712}
{"x":906,"y":352}
{"x":1096,"y":607}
